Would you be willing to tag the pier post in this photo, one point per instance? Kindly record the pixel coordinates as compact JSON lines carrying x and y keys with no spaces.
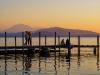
{"x":22,"y":38}
{"x":39,"y":42}
{"x":5,"y":41}
{"x":94,"y":51}
{"x":39,"y":51}
{"x":15,"y":47}
{"x":15,"y":53}
{"x":45,"y":41}
{"x":15,"y":42}
{"x":78,"y":45}
{"x":69,"y":36}
{"x":5,"y":52}
{"x":98,"y":46}
{"x":78,"y":52}
{"x":69,"y":50}
{"x":55,"y":43}
{"x":98,"y":51}
{"x":23,"y":41}
{"x":55,"y":51}
{"x":59,"y":44}
{"x":23,"y":48}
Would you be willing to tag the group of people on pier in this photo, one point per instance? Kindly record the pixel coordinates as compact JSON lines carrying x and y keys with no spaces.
{"x":65,"y":43}
{"x":28,"y":40}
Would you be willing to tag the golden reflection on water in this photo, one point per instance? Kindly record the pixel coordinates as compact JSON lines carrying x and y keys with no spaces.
{"x":86,"y":63}
{"x":29,"y":64}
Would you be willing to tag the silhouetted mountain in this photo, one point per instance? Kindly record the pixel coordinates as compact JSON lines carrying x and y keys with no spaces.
{"x":48,"y":31}
{"x":64,"y":32}
{"x":19,"y":28}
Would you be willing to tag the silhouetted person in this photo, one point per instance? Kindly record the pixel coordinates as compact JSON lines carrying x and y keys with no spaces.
{"x":26,"y":37}
{"x":67,"y":42}
{"x":29,"y":38}
{"x":62,"y":42}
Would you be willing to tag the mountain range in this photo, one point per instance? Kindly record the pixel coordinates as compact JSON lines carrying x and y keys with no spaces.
{"x":17,"y":29}
{"x":20,"y":28}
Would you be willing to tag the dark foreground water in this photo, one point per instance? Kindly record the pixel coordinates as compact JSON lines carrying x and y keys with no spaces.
{"x":86,"y":64}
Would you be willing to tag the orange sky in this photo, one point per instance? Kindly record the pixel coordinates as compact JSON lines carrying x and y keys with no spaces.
{"x":73,"y":14}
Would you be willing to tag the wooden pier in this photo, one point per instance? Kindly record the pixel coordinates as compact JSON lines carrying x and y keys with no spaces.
{"x":48,"y":46}
{"x":55,"y":48}
{"x":32,"y":48}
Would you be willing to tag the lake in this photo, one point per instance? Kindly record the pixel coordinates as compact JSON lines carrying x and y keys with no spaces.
{"x":85,"y":64}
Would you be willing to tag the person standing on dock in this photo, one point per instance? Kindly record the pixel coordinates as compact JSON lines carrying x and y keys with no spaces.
{"x":29,"y":38}
{"x":26,"y":37}
{"x":68,"y":44}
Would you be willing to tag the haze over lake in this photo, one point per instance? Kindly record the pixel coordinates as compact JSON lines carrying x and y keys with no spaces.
{"x":22,"y":55}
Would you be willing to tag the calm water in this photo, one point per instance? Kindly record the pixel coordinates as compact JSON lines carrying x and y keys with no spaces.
{"x":86,"y":64}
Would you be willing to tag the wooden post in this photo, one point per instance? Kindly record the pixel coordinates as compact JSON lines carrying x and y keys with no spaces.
{"x":22,"y":38}
{"x":15,"y":47}
{"x":23,"y":42}
{"x":69,"y":36}
{"x":31,"y":38}
{"x":98,"y":51}
{"x":45,"y":40}
{"x":39,"y":42}
{"x":98,"y":46}
{"x":59,"y":44}
{"x":94,"y":51}
{"x":39,"y":39}
{"x":78,"y":45}
{"x":55,"y":43}
{"x":78,"y":52}
{"x":5,"y":41}
{"x":55,"y":51}
{"x":39,"y":51}
{"x":15,"y":53}
{"x":5,"y":51}
{"x":15,"y":42}
{"x":23,"y":47}
{"x":69,"y":50}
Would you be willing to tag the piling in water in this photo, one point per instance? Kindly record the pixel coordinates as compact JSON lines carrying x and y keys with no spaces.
{"x":78,"y":51}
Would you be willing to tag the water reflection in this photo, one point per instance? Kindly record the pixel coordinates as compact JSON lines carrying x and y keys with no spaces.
{"x":68,"y":58}
{"x":98,"y":64}
{"x":78,"y":62}
{"x":32,"y":64}
{"x":5,"y":65}
{"x":28,"y":63}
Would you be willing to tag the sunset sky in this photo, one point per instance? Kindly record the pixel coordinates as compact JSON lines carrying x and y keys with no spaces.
{"x":73,"y":14}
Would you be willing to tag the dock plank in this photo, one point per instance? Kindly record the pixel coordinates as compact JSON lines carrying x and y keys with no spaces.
{"x":49,"y":46}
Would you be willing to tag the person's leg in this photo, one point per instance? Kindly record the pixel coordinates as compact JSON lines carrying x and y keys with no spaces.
{"x":25,"y":41}
{"x":30,"y":41}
